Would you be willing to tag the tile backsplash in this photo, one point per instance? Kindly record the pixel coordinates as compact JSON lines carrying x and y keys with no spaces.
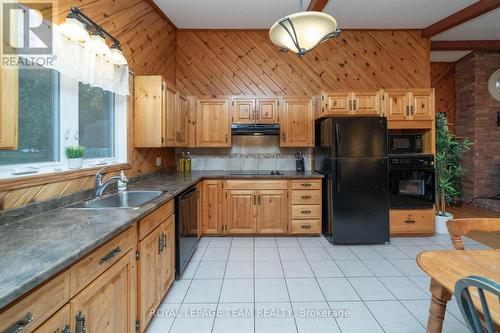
{"x":247,"y":153}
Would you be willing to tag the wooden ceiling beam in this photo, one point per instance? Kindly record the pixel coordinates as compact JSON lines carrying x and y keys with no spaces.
{"x":459,"y":45}
{"x":317,"y":5}
{"x":468,"y":13}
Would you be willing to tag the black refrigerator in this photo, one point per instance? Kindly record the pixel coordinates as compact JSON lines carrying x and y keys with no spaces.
{"x":351,"y":153}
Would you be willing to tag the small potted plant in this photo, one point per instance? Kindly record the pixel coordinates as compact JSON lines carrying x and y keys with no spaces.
{"x":74,"y":155}
{"x":449,"y":151}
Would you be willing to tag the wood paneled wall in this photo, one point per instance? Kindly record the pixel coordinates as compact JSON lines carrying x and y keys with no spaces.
{"x":148,"y":42}
{"x":245,"y":62}
{"x":443,"y":80}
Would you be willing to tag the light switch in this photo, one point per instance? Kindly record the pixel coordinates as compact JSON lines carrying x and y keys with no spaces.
{"x":158,"y":161}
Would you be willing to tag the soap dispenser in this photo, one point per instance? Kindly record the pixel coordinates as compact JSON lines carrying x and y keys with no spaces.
{"x":122,"y":182}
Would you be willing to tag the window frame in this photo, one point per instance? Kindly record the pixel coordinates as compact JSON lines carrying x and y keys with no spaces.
{"x":68,"y":117}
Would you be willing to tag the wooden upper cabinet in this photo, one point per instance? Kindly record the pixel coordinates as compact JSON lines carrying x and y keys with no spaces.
{"x":415,"y":104}
{"x":241,"y":211}
{"x":272,"y":206}
{"x":212,"y":122}
{"x":212,"y":207}
{"x":351,"y":103}
{"x":296,"y":120}
{"x":337,"y":103}
{"x":148,"y":111}
{"x":181,"y":121}
{"x":108,"y":304}
{"x":191,"y":122}
{"x":9,"y":108}
{"x":266,"y":110}
{"x":169,"y":115}
{"x":366,"y":102}
{"x":260,"y":110}
{"x":422,"y":104}
{"x":243,"y":111}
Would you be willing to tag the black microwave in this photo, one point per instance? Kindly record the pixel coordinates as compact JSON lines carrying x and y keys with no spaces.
{"x":405,"y":144}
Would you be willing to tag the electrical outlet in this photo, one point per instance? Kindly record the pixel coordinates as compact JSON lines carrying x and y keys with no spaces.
{"x":158,"y":161}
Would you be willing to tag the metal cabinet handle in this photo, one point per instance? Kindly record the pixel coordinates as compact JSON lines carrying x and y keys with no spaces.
{"x":284,"y":137}
{"x":354,"y":104}
{"x":66,"y":329}
{"x":165,"y":241}
{"x":306,"y":197}
{"x":226,"y":138}
{"x":410,"y":221}
{"x":19,"y":325}
{"x":306,"y":226}
{"x":254,"y":200}
{"x":407,"y":110}
{"x":306,"y":184}
{"x":350,"y":105}
{"x":113,"y":253}
{"x":412,"y":110}
{"x":80,"y":323}
{"x":305,"y":211}
{"x":258,"y":197}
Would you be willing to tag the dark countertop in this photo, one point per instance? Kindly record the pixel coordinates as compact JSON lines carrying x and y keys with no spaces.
{"x":36,"y":248}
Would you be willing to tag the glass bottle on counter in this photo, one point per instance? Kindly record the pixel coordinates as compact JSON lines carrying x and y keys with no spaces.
{"x":187,"y":165}
{"x":182,"y":163}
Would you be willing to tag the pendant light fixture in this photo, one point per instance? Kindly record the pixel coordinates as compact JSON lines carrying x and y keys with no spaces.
{"x":74,"y":29}
{"x":97,"y":43}
{"x":115,"y":55}
{"x":303,"y":31}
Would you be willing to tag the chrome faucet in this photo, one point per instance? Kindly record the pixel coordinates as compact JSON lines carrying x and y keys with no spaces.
{"x":100,"y":186}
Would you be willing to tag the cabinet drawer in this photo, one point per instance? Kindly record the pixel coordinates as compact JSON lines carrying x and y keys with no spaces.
{"x":257,"y":184}
{"x":412,"y":222}
{"x":90,"y":267}
{"x":306,"y":197}
{"x":308,"y":184}
{"x":151,"y":221}
{"x":306,"y":226}
{"x":42,"y":303}
{"x":306,"y":211}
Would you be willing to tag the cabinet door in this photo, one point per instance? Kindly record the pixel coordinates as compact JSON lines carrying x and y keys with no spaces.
{"x":296,"y":119}
{"x":396,"y":105}
{"x":169,"y":110}
{"x":108,"y":305}
{"x":165,"y":257}
{"x":149,"y":276}
{"x":338,"y":103}
{"x":244,"y":111}
{"x":148,"y":112}
{"x":272,"y":208}
{"x":181,"y":114}
{"x":241,"y":211}
{"x":9,"y":106}
{"x":366,"y":103}
{"x":213,"y":123}
{"x":191,"y":122}
{"x":212,"y":213}
{"x":267,"y":110}
{"x":422,"y":104}
{"x":59,"y":323}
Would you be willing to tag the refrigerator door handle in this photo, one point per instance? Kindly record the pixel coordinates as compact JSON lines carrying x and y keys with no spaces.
{"x":338,"y":174}
{"x":337,"y":140}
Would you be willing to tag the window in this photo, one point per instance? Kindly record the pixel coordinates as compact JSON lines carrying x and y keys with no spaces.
{"x":96,"y":121}
{"x":38,"y":118}
{"x":56,"y":111}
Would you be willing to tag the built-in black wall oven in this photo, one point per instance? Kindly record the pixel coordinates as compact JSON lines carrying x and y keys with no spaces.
{"x":412,"y":181}
{"x":186,"y":228}
{"x":405,"y":144}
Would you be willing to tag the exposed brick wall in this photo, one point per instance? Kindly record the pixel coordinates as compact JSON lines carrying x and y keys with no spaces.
{"x":475,"y":112}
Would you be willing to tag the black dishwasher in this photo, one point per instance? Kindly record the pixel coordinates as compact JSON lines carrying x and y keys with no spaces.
{"x":186,"y":228}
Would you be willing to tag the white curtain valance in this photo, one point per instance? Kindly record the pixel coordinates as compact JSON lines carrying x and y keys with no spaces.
{"x":77,"y":61}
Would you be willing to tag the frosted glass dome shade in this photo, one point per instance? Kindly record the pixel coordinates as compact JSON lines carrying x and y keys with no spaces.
{"x":301,"y":32}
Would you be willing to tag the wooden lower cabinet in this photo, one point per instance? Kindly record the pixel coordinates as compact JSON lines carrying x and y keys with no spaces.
{"x":272,"y":207}
{"x":417,"y":222}
{"x":212,"y":211}
{"x":241,"y":211}
{"x":108,"y":304}
{"x":59,"y":323}
{"x":166,"y":262}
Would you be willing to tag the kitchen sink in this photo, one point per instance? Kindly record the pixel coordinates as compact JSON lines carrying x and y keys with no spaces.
{"x":125,"y":199}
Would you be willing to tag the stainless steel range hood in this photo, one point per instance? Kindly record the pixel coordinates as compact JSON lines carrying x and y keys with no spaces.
{"x":255,"y":129}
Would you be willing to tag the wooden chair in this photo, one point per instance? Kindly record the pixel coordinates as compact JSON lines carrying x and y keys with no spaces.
{"x":477,"y":322}
{"x":461,"y":227}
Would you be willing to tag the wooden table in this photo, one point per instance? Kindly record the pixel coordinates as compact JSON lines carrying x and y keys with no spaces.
{"x":488,"y":238}
{"x":446,"y":267}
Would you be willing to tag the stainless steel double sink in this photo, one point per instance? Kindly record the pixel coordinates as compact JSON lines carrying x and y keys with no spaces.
{"x":124,"y":199}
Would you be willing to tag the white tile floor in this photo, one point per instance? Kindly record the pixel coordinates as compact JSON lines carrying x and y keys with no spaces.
{"x":303,"y":284}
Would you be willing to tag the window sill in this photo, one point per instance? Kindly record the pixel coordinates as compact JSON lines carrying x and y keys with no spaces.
{"x":52,"y":177}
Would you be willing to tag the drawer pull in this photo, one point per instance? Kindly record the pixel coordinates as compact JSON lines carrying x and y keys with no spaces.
{"x":305,"y":211}
{"x":409,"y":221}
{"x":20,"y":324}
{"x":113,"y":253}
{"x":306,"y":226}
{"x":306,"y":184}
{"x":80,"y":323}
{"x":66,"y":329}
{"x":305,"y":197}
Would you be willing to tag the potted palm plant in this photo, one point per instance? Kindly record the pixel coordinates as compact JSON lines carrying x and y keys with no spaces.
{"x":74,"y":155}
{"x":449,"y":151}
